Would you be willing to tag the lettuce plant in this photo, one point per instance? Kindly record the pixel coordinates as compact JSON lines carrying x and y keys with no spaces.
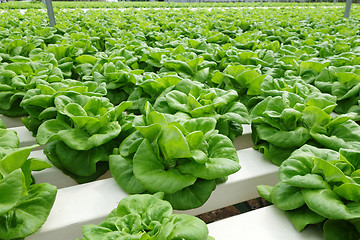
{"x":186,"y":64}
{"x":149,"y":87}
{"x":319,"y":186}
{"x":281,"y":124}
{"x":82,"y":136}
{"x":184,"y":158}
{"x":19,"y":50}
{"x":144,"y":217}
{"x":308,"y":70}
{"x":195,"y":101}
{"x":151,"y":58}
{"x":39,"y":102}
{"x":275,"y":87}
{"x":24,"y":205}
{"x":259,"y":57}
{"x":72,"y":46}
{"x":340,"y":132}
{"x":113,"y":70}
{"x":342,"y":82}
{"x":249,"y":83}
{"x":19,"y":77}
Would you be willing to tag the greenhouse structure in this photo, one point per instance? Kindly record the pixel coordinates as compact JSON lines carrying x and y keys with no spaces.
{"x":180,"y":120}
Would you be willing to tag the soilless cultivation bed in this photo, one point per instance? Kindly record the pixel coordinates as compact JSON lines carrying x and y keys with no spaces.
{"x":185,"y":109}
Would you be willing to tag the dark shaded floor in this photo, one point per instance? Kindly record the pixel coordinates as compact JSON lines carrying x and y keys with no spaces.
{"x":233,"y":210}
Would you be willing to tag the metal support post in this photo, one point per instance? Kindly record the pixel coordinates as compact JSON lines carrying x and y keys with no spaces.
{"x":347,"y":8}
{"x":50,"y":12}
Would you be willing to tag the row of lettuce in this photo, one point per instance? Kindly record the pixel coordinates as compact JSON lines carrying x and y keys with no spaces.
{"x":159,"y":97}
{"x":147,"y":4}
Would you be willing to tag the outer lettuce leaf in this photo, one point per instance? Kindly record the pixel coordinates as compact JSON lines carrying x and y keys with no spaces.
{"x":30,"y":212}
{"x":327,"y":203}
{"x":193,"y":196}
{"x":298,"y":137}
{"x":78,"y":139}
{"x":340,"y":132}
{"x":122,"y":171}
{"x":188,"y":227}
{"x":83,"y":166}
{"x":286,"y":197}
{"x":8,"y":139}
{"x":340,"y":229}
{"x":303,"y":216}
{"x":12,"y":189}
{"x":297,"y":169}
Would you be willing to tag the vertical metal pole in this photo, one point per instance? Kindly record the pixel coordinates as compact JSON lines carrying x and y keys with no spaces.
{"x":347,"y":8}
{"x":50,"y":11}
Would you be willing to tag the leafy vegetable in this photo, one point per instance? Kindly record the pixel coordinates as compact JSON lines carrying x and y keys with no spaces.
{"x":340,"y":132}
{"x":83,"y":135}
{"x":281,"y":124}
{"x":319,"y":185}
{"x":180,"y":157}
{"x":18,"y":77}
{"x":196,"y":101}
{"x":147,"y":217}
{"x":39,"y":102}
{"x":149,"y":87}
{"x":342,"y":82}
{"x":114,"y":71}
